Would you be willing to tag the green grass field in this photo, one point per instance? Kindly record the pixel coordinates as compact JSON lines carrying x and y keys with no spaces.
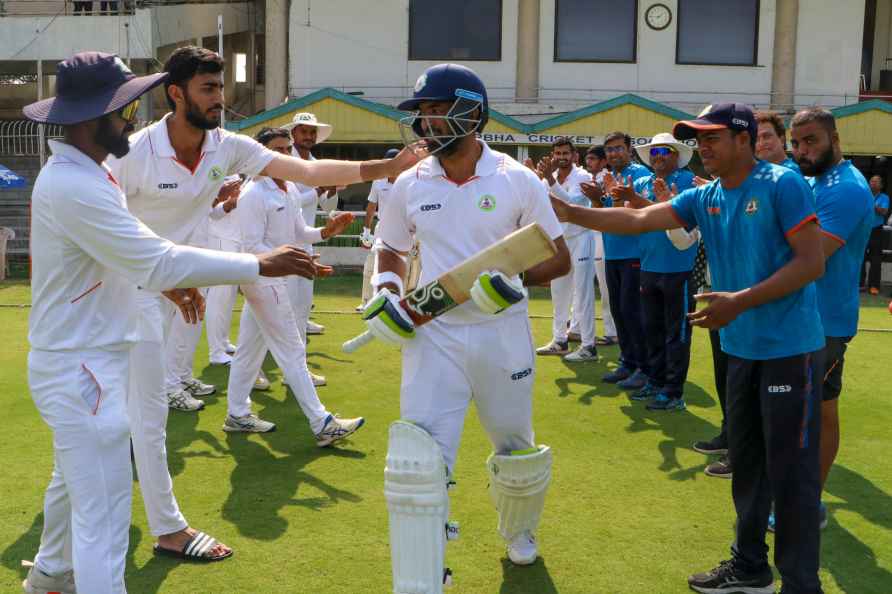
{"x":629,"y":510}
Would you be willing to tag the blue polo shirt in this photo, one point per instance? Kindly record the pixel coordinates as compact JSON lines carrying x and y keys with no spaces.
{"x":623,"y":247}
{"x":657,"y":252}
{"x":879,"y":201}
{"x":844,"y":204}
{"x":746,"y":231}
{"x":789,"y":163}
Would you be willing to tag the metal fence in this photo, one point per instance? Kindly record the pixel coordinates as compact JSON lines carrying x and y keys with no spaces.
{"x":65,"y":7}
{"x":21,"y":138}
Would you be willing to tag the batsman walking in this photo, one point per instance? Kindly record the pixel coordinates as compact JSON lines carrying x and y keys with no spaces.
{"x":457,"y":202}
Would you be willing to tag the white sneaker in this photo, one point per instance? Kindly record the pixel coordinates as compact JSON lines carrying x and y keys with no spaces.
{"x":183,"y":400}
{"x":247,"y":424}
{"x":230,"y":349}
{"x":261,"y":384}
{"x":314,"y":328}
{"x":318,"y":380}
{"x":197,"y":387}
{"x":336,"y":429}
{"x":39,"y":583}
{"x":522,"y":550}
{"x":583,"y":353}
{"x":360,"y":307}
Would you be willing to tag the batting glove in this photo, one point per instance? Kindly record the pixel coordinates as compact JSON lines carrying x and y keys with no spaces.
{"x":494,"y":292}
{"x":366,"y":238}
{"x":387,"y":319}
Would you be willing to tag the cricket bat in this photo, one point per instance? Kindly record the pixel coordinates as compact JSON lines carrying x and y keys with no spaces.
{"x":515,"y":253}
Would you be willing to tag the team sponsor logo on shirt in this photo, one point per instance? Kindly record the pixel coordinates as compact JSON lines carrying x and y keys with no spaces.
{"x":780,"y":389}
{"x":487,"y":203}
{"x":752,"y":207}
{"x":713,"y":210}
{"x":167,"y":186}
{"x":216,"y":173}
{"x":430,"y":207}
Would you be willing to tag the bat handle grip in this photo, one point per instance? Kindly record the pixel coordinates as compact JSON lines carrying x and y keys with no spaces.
{"x":358,"y":342}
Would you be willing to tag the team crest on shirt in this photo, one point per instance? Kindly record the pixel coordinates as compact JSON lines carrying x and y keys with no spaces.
{"x":216,"y":173}
{"x":752,"y":206}
{"x":487,"y":203}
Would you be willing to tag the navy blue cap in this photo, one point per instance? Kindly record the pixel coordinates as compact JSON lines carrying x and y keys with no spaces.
{"x":446,"y":82}
{"x":733,"y":116}
{"x":90,"y":85}
{"x":391,"y":153}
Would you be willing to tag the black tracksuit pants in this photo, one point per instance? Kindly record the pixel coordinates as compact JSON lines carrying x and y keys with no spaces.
{"x":666,"y":300}
{"x":624,"y":287}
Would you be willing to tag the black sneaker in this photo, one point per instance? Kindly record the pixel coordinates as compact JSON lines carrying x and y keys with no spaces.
{"x":728,"y":579}
{"x":619,"y":374}
{"x":721,"y":468}
{"x":717,"y":446}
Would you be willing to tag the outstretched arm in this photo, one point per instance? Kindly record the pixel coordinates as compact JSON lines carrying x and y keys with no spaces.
{"x":619,"y":221}
{"x":328,"y":172}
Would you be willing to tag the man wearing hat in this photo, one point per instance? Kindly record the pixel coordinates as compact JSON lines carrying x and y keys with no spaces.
{"x":171,"y":178}
{"x":377,"y":195}
{"x":764,"y":249}
{"x":89,"y":255}
{"x":666,"y":294}
{"x":306,"y":132}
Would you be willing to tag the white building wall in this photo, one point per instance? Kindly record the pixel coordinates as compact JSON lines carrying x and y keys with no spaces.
{"x":656,"y":75}
{"x":365,"y":46}
{"x":828,"y":52}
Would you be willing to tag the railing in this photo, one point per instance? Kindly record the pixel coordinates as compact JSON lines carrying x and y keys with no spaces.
{"x":65,"y":7}
{"x":21,"y":138}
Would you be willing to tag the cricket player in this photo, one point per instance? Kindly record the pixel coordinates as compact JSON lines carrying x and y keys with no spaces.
{"x":171,"y":178}
{"x":577,"y":289}
{"x":268,"y":213}
{"x":844,"y":205}
{"x":306,"y":132}
{"x":223,"y":234}
{"x":89,"y":256}
{"x":764,"y":249}
{"x":377,"y":196}
{"x":456,"y":203}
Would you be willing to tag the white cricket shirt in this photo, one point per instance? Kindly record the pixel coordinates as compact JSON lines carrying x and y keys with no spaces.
{"x":89,"y":253}
{"x":453,"y":222}
{"x":172,"y":200}
{"x":570,"y":191}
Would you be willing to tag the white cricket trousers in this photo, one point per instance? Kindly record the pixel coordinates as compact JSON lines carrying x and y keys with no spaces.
{"x":600,"y":269}
{"x":300,"y":294}
{"x":268,"y":321}
{"x":447,"y":365}
{"x":369,"y":268}
{"x":180,"y":341}
{"x":147,"y":410}
{"x":578,"y":289}
{"x":82,"y":396}
{"x":220,"y":301}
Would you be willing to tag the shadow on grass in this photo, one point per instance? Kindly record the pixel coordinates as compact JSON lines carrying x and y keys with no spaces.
{"x":681,"y":428}
{"x":852,"y":563}
{"x":24,"y":547}
{"x":268,"y":476}
{"x":588,"y":375}
{"x":532,"y":579}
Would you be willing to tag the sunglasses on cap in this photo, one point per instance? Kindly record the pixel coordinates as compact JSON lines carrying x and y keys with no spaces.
{"x":128,"y":112}
{"x":661,"y":151}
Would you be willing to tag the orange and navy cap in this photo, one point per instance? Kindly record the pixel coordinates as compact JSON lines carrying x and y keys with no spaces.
{"x":734,"y":116}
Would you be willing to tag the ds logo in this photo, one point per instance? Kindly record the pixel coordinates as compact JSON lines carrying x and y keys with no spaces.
{"x":779,"y":389}
{"x":167,"y":186}
{"x":521,"y":374}
{"x":430,"y":207}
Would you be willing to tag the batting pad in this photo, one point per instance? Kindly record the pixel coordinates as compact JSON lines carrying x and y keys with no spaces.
{"x":418,"y":506}
{"x":517,"y":484}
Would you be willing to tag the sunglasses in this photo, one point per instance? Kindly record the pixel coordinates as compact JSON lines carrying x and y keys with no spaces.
{"x":614,"y":149}
{"x":128,"y":112}
{"x":661,"y":151}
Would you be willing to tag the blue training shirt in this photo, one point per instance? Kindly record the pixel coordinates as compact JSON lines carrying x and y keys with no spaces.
{"x":844,"y":204}
{"x":880,"y":201}
{"x":623,"y":247}
{"x":789,"y":163}
{"x":746,"y":231}
{"x":657,"y":252}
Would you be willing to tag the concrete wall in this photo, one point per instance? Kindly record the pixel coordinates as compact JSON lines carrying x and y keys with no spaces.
{"x":365,"y":45}
{"x":828,"y":53}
